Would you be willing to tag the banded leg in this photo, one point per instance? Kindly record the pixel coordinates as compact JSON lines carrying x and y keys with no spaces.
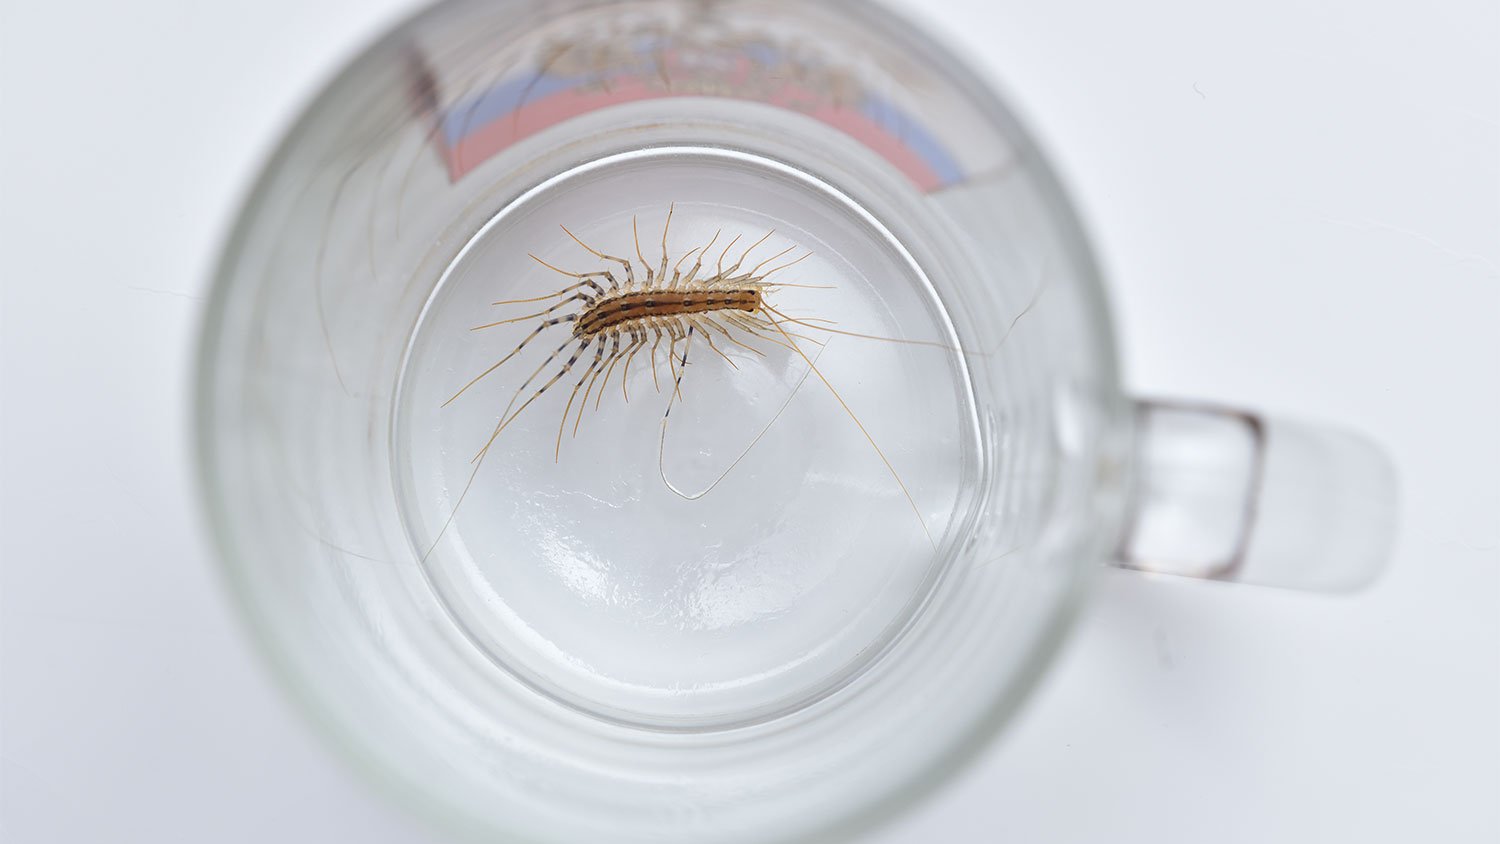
{"x":674,"y":330}
{"x":614,"y":358}
{"x":553,"y":295}
{"x":765,"y":325}
{"x":586,"y":278}
{"x":574,"y":298}
{"x":588,"y":391}
{"x":598,"y":355}
{"x":677,"y":385}
{"x":505,"y":419}
{"x":517,"y":350}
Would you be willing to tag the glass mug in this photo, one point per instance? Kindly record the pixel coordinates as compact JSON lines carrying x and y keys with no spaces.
{"x":811,"y":596}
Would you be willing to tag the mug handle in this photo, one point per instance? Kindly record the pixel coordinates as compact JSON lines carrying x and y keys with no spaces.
{"x":1230,"y":495}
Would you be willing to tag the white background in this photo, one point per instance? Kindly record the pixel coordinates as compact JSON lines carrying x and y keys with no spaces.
{"x":1299,"y":208}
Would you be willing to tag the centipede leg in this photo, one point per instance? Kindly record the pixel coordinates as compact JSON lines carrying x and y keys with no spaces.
{"x":563,"y":423}
{"x":728,"y":275}
{"x":553,"y":295}
{"x":761,"y":325}
{"x":588,"y":391}
{"x":661,"y":445}
{"x":508,"y":416}
{"x":675,"y":331}
{"x":575,"y":297}
{"x":719,"y":267}
{"x":656,"y":327}
{"x":677,"y":279}
{"x":729,"y":335}
{"x":698,"y":264}
{"x":667,"y":225}
{"x":863,"y":430}
{"x":749,"y":328}
{"x":708,"y":335}
{"x":635,"y":346}
{"x":586,"y":278}
{"x":774,"y":270}
{"x":629,"y":270}
{"x":614,"y":358}
{"x":635,"y":231}
{"x":517,"y":350}
{"x":681,"y":371}
{"x":755,"y":271}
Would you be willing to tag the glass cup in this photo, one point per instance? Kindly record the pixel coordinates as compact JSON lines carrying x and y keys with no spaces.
{"x":770,"y":587}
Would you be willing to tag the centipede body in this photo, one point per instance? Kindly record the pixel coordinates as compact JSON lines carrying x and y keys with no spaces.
{"x":629,"y":309}
{"x":617,"y":313}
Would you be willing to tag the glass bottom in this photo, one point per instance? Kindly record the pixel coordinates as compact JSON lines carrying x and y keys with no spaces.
{"x":763,"y":547}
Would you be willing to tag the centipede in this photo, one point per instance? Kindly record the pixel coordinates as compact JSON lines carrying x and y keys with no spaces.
{"x":606,"y":318}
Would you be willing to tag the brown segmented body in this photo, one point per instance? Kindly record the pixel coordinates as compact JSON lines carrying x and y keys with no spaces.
{"x":618,"y":311}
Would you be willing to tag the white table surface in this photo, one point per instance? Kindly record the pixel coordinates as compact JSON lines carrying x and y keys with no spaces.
{"x":1299,"y":208}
